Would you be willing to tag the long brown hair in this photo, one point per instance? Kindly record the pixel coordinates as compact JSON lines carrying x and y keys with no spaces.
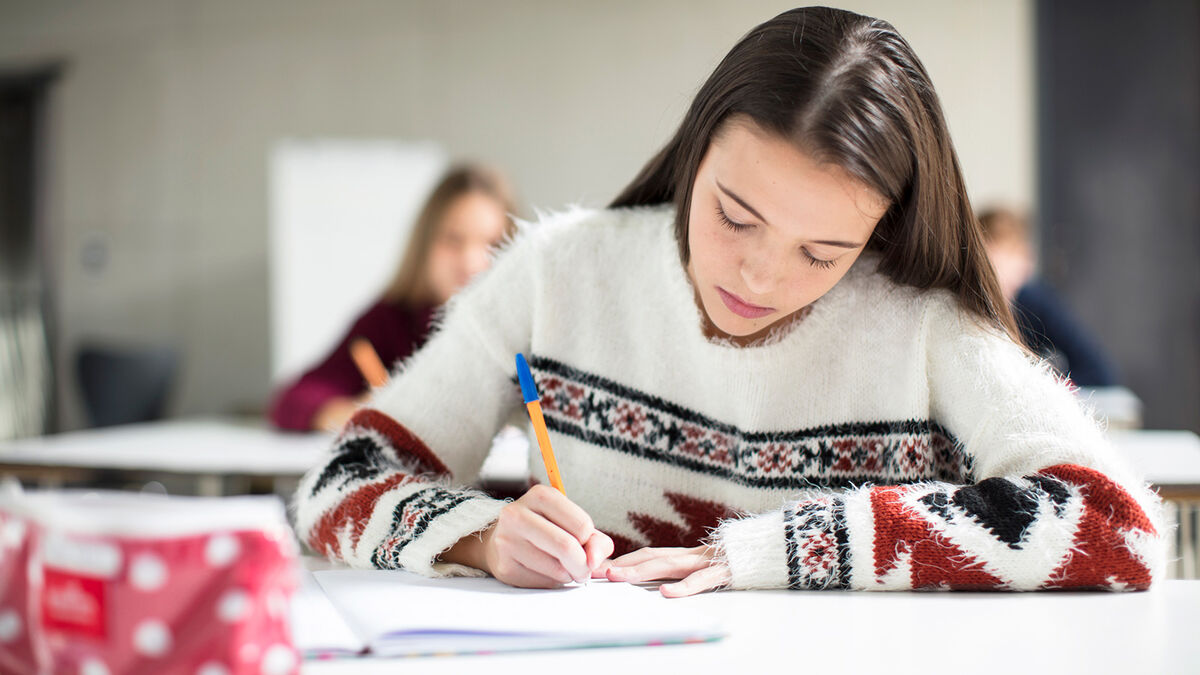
{"x":408,"y":287}
{"x":848,"y":90}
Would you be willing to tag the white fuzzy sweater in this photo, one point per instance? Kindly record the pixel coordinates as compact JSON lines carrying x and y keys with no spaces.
{"x":885,"y":441}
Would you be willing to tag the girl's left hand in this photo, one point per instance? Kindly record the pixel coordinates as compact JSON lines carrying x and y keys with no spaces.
{"x":697,"y":568}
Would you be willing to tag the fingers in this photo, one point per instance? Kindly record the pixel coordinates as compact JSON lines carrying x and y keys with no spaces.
{"x":516,"y":574}
{"x":641,"y":555}
{"x":555,"y":507}
{"x":708,"y":579}
{"x":667,"y":564}
{"x":521,"y":531}
{"x":598,"y":547}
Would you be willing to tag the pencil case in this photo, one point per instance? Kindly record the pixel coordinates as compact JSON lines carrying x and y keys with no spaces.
{"x":103,"y":583}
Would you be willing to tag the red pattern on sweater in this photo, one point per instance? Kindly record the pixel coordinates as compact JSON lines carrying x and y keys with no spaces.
{"x":935,"y":561}
{"x":1102,"y":555}
{"x":405,"y":442}
{"x":353,"y":511}
{"x":1099,"y":557}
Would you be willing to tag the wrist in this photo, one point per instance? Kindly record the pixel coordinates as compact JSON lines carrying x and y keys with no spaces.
{"x":471,"y":551}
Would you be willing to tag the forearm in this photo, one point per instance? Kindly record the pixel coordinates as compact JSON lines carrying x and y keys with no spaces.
{"x":1062,"y":527}
{"x":382,"y":499}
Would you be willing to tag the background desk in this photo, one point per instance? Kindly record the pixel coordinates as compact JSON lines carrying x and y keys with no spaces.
{"x":833,"y":631}
{"x":220,"y":454}
{"x":210,"y":451}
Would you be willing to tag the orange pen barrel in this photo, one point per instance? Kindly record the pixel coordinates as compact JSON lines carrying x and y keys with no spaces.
{"x":539,"y":428}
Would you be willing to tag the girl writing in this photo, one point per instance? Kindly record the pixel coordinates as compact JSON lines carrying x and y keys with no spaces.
{"x":780,"y":359}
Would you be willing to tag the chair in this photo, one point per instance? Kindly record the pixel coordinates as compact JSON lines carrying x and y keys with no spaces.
{"x":125,"y":385}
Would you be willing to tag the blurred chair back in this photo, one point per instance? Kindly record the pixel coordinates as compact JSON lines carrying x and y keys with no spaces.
{"x":127,"y":385}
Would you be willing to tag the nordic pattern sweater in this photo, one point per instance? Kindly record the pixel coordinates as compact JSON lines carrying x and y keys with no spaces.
{"x":887,"y":440}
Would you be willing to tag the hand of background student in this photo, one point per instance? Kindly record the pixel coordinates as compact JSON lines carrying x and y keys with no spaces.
{"x":334,"y":414}
{"x":542,"y":540}
{"x":697,"y":569}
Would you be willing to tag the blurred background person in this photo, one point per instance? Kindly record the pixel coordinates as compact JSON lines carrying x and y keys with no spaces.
{"x":1047,"y":326}
{"x":465,"y":217}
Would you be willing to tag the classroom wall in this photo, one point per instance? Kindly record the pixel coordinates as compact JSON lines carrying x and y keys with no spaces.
{"x":155,"y":174}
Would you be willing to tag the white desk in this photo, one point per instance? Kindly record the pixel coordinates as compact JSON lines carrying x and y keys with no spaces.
{"x":207,"y":449}
{"x":1168,"y":459}
{"x":845,"y":632}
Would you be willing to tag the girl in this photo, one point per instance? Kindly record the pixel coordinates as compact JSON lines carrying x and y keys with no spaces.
{"x":779,"y":360}
{"x":464,"y":218}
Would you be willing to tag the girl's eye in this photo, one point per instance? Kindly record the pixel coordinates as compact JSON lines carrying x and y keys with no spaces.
{"x":817,"y":262}
{"x":735,"y":226}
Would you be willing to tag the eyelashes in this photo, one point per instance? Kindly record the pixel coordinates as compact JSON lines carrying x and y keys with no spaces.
{"x":735,"y":226}
{"x":743,"y":227}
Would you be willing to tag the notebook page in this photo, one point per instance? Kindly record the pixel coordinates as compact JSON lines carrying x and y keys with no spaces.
{"x":318,"y":628}
{"x":400,"y":612}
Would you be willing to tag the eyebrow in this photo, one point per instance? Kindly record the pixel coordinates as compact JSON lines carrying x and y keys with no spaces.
{"x":756,"y":214}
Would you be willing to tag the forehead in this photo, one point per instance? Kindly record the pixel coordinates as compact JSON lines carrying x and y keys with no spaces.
{"x":473,"y":211}
{"x":788,"y":187}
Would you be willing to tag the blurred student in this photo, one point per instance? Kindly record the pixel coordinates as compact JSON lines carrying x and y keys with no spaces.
{"x":1047,"y":326}
{"x":465,"y":217}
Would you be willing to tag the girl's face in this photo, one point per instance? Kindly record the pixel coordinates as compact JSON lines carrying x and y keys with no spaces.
{"x":770,"y":230}
{"x":461,"y":248}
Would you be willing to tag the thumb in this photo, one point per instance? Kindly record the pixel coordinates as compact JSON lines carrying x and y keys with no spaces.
{"x":598,"y":547}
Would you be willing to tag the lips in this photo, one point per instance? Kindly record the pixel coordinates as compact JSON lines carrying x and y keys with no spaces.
{"x":742,"y":308}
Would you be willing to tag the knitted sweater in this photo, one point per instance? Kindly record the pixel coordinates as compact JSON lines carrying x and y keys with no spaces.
{"x":885,"y":441}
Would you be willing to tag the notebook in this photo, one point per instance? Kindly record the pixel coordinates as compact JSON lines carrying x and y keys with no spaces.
{"x":396,"y":613}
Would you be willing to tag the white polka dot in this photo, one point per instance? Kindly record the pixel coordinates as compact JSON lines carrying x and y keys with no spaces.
{"x":233,"y":605}
{"x":93,"y":666}
{"x":10,"y":625}
{"x":279,"y":660}
{"x":152,"y":638}
{"x":148,"y":573}
{"x":212,"y":668}
{"x":221,"y":550}
{"x":13,"y":533}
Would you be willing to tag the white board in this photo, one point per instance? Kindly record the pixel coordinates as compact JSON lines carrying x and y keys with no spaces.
{"x":340,"y":215}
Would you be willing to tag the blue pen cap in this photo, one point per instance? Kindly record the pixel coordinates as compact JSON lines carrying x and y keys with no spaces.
{"x":528,"y":388}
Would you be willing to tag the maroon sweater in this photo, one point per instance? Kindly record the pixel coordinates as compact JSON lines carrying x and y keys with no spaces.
{"x":394,"y":332}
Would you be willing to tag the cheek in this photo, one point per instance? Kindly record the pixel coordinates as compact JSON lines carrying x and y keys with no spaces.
{"x":713,"y":251}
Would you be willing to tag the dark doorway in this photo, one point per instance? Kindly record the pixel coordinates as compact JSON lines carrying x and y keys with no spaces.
{"x":1119,"y":186}
{"x":26,"y":370}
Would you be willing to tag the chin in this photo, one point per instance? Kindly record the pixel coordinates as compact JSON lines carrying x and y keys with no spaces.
{"x":735,"y":326}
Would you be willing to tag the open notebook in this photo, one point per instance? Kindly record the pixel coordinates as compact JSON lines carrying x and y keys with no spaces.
{"x":393,"y":613}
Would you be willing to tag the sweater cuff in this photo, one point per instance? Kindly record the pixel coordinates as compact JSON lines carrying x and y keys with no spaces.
{"x":447,"y":516}
{"x":755,"y":551}
{"x":817,"y":543}
{"x":804,"y":546}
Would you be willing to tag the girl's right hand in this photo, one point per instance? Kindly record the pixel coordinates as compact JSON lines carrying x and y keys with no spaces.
{"x":542,"y":540}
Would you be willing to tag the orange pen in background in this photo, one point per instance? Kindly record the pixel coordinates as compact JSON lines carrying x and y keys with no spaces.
{"x":368,"y":362}
{"x":533,"y":404}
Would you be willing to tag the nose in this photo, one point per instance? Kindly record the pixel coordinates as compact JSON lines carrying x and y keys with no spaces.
{"x":477,"y":260}
{"x":762,"y":269}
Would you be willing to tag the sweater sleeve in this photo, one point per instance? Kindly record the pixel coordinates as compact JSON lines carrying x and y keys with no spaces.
{"x":1049,"y":504}
{"x":391,"y":493}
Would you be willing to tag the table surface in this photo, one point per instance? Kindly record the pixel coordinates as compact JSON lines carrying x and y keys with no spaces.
{"x":224,"y":446}
{"x":830,"y":631}
{"x":202,"y":446}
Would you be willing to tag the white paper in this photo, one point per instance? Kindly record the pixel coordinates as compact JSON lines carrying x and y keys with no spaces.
{"x":402,"y":613}
{"x":318,"y":629}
